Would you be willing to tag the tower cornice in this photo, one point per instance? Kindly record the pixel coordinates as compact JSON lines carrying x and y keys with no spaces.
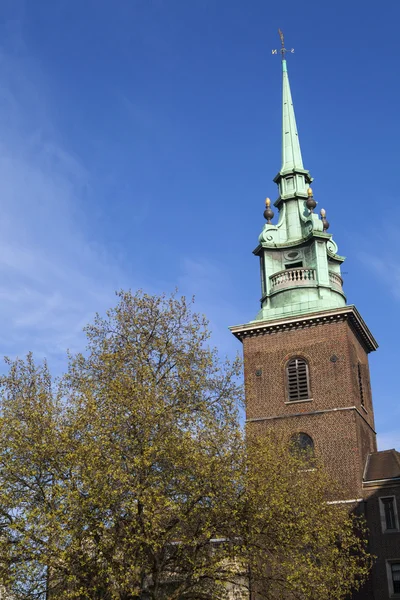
{"x":286,"y":172}
{"x":321,"y":235}
{"x":347,"y":313}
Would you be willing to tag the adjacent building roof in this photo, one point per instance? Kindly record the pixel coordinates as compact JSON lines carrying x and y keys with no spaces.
{"x":382,"y":465}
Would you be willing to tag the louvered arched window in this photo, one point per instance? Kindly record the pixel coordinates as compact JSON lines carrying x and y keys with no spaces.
{"x":298,"y":384}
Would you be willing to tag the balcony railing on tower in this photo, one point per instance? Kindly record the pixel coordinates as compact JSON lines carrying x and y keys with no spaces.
{"x":293,"y":278}
{"x":301,"y":277}
{"x":335,"y":280}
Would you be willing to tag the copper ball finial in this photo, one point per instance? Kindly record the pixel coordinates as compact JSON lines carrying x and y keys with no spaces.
{"x":325,"y":223}
{"x":268,"y":212}
{"x":310,"y":202}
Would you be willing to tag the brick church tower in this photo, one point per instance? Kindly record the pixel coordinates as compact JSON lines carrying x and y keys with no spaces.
{"x":306,"y":353}
{"x":306,"y":359}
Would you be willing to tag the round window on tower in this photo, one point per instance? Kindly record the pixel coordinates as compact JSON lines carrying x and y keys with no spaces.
{"x":302,"y":445}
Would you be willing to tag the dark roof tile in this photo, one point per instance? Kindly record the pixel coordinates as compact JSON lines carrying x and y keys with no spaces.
{"x":382,"y":465}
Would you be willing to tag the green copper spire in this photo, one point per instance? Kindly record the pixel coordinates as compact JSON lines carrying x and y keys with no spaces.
{"x":292,"y":179}
{"x":291,"y":153}
{"x":299,"y":261}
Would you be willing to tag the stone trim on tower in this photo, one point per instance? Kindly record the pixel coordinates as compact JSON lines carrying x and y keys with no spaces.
{"x":349,"y":313}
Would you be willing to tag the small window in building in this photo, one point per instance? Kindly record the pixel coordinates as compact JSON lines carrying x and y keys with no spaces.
{"x":297,"y":379}
{"x":296,"y":265}
{"x":360,"y":384}
{"x":393,"y":574}
{"x":301,"y":444}
{"x":396,"y":577}
{"x":388,"y":512}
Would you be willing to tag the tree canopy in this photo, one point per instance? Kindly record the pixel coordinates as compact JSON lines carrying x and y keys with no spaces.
{"x":130,"y":476}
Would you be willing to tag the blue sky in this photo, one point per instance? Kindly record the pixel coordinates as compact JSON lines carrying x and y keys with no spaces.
{"x":139,"y":138}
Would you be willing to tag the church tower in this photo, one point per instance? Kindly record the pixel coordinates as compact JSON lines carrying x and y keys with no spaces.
{"x":306,"y":352}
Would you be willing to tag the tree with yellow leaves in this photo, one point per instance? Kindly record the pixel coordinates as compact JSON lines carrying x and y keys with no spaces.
{"x":129,"y":478}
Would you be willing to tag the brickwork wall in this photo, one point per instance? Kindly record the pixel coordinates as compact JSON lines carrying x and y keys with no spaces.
{"x":337,"y":416}
{"x":366,"y":442}
{"x":335,"y":438}
{"x":358,"y":355}
{"x":342,"y":438}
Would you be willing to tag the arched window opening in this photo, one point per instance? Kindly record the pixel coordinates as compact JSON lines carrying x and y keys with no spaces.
{"x":301,"y":444}
{"x":298,"y":384}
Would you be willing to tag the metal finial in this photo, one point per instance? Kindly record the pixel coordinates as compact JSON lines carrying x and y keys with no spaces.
{"x":268,"y":212}
{"x":283,"y":50}
{"x":310,"y":202}
{"x":325,"y":223}
{"x":282,"y":38}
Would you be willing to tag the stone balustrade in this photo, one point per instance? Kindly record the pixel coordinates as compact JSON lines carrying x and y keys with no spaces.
{"x":335,"y":280}
{"x":300,"y":277}
{"x":293,"y":278}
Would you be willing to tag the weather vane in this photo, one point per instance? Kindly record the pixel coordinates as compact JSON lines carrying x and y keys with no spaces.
{"x":283,"y":50}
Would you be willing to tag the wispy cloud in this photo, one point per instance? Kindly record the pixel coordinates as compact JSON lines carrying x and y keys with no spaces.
{"x":53,"y":275}
{"x":215,"y":296}
{"x":384,"y":261}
